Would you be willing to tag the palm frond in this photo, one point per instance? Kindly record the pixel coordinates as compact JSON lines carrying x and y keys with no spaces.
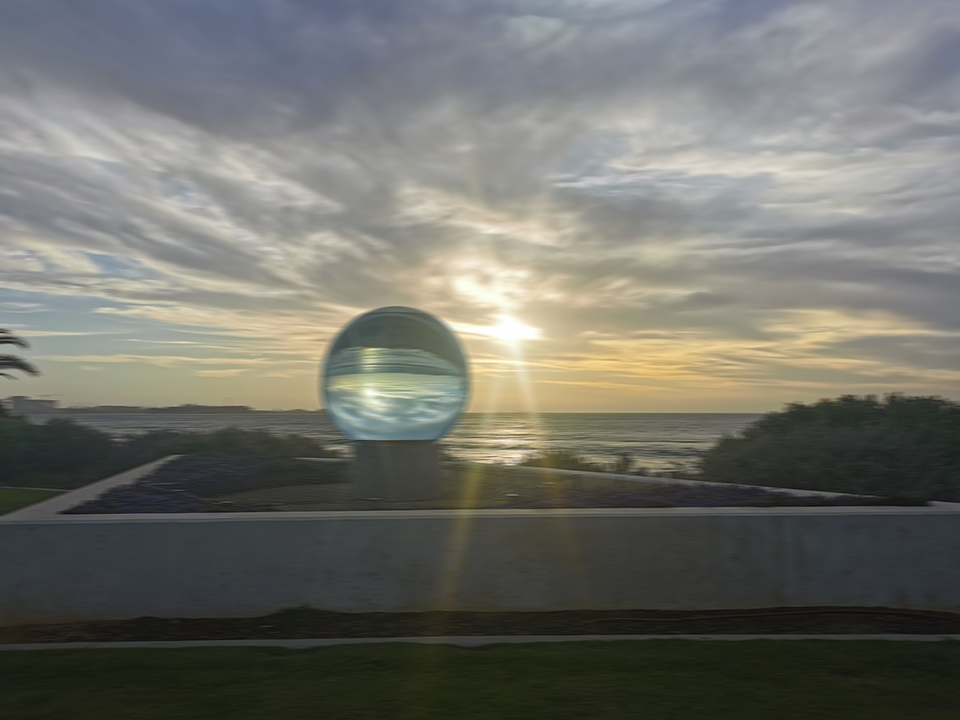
{"x":12,"y":362}
{"x":8,"y":338}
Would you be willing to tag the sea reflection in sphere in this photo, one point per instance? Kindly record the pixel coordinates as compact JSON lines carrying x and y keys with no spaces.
{"x":395,"y":374}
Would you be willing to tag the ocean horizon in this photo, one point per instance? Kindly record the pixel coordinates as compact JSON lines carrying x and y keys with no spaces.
{"x":657,"y":441}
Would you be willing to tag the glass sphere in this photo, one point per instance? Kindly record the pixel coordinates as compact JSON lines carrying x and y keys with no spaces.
{"x":395,"y":374}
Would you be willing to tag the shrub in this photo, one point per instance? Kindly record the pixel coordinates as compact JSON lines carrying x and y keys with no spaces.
{"x":65,"y":454}
{"x":140,"y":449}
{"x":901,"y":445}
{"x":64,"y":447}
{"x":59,"y":453}
{"x":16,"y":436}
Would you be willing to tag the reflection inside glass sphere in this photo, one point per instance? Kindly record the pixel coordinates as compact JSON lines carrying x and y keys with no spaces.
{"x":389,"y":394}
{"x":395,"y":377}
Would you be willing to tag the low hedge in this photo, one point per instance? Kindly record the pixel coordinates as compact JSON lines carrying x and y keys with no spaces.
{"x":62,"y":453}
{"x":900,"y":445}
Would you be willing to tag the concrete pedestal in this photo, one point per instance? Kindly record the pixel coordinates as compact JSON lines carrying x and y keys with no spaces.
{"x":400,"y":470}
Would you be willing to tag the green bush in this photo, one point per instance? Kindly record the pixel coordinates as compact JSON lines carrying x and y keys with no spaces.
{"x":59,"y":453}
{"x":139,"y":449}
{"x":17,"y":439}
{"x":62,"y":453}
{"x":901,"y":445}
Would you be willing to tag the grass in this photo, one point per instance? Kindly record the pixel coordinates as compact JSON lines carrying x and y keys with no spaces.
{"x":655,"y":680}
{"x":11,"y":500}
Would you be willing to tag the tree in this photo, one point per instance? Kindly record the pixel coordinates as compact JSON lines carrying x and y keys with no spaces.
{"x":12,"y":362}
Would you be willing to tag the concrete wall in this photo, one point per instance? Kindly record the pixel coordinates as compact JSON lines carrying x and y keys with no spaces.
{"x":85,"y":567}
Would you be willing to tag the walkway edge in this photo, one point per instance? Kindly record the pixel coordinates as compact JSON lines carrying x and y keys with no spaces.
{"x":460,"y":641}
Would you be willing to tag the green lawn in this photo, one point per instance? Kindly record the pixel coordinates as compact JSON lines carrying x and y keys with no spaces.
{"x":11,"y":500}
{"x":648,"y":680}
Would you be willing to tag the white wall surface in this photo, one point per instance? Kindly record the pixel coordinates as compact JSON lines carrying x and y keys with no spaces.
{"x":86,"y":567}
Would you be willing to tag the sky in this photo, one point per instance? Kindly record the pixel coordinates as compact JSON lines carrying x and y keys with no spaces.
{"x":686,"y":206}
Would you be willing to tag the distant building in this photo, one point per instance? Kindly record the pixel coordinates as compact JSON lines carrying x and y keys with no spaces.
{"x":21,"y":405}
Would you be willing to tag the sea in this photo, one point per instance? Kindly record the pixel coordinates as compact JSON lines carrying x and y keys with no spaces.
{"x":656,"y":441}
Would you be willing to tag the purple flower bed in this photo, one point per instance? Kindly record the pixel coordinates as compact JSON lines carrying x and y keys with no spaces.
{"x":664,"y":496}
{"x":193,"y":482}
{"x":145,"y":499}
{"x":197,"y":484}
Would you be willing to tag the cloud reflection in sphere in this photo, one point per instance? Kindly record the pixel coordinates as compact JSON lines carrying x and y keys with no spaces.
{"x":395,"y":374}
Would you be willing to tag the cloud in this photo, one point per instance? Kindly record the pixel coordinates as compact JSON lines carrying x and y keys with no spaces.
{"x":228,"y":372}
{"x":159,"y":360}
{"x":718,"y":194}
{"x":59,"y":333}
{"x":21,"y":307}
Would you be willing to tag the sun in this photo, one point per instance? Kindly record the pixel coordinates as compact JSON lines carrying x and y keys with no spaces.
{"x":512,"y":330}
